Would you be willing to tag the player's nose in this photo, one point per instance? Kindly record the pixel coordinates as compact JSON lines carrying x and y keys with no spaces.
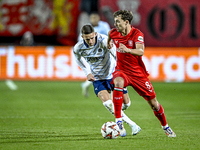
{"x":91,"y":41}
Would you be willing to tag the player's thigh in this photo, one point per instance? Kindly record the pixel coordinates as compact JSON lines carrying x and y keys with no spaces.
{"x":144,"y":88}
{"x":104,"y":95}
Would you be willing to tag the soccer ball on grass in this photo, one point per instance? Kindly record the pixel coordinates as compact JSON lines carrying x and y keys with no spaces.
{"x":110,"y":130}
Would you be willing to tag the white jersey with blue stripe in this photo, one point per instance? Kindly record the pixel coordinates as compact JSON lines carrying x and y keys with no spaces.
{"x":99,"y":60}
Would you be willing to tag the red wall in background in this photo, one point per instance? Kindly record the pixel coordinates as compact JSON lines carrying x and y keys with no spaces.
{"x":171,"y":23}
{"x":164,"y":23}
{"x":41,"y":17}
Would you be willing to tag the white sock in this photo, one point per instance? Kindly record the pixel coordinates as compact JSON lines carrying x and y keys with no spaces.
{"x":126,"y":106}
{"x":87,"y":84}
{"x":110,"y":107}
{"x":127,"y":120}
{"x":118,"y":119}
{"x":165,"y":126}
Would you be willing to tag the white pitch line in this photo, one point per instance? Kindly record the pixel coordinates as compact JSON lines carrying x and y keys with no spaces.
{"x":11,"y":84}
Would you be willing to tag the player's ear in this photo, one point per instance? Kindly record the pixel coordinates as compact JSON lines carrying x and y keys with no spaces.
{"x":127,"y":22}
{"x":95,"y":33}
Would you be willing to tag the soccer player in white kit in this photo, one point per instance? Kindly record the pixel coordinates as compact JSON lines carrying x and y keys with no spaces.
{"x":100,"y":64}
{"x":101,"y":27}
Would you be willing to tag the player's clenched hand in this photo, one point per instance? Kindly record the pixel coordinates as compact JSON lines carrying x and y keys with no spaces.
{"x":110,"y":45}
{"x":123,"y":48}
{"x":90,"y":77}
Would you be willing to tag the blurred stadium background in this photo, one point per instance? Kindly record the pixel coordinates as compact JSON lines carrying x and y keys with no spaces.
{"x":171,"y":29}
{"x":172,"y":38}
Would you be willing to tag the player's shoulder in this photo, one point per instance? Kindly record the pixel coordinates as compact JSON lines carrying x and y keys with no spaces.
{"x":101,"y":37}
{"x":136,"y":31}
{"x":113,"y":32}
{"x":78,"y":46}
{"x":138,"y":35}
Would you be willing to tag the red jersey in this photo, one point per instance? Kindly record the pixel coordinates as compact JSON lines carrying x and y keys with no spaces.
{"x":128,"y":63}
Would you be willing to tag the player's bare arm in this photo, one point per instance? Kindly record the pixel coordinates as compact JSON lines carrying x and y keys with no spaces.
{"x":109,"y":43}
{"x":90,"y":77}
{"x":138,"y":51}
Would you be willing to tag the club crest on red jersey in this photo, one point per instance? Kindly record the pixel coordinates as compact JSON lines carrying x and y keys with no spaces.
{"x":130,"y":43}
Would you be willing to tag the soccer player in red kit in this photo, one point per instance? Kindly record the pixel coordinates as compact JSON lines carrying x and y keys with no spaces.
{"x":130,"y":69}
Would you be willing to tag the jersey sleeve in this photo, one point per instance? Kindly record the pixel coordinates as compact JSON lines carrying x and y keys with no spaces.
{"x":139,"y":38}
{"x":81,"y":61}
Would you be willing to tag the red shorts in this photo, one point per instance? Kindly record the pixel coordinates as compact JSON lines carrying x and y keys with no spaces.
{"x":142,"y":86}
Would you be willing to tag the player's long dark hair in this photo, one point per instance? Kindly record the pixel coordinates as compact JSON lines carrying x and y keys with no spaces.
{"x":87,"y":29}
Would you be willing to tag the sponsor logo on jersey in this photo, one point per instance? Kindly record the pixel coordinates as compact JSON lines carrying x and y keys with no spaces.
{"x":130,"y":43}
{"x":120,"y":51}
{"x":140,"y":38}
{"x":94,"y":59}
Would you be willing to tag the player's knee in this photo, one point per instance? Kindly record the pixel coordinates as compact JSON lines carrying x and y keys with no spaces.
{"x":154,"y":104}
{"x":119,"y":82}
{"x":104,"y":95}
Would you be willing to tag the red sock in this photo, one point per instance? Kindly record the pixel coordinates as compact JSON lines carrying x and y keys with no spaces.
{"x":161,"y":115}
{"x":117,"y":101}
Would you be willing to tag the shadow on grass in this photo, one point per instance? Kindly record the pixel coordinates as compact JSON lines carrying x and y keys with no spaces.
{"x":34,"y":137}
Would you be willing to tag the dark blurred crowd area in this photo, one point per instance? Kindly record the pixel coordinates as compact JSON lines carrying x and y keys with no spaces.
{"x":39,"y":40}
{"x":172,"y":23}
{"x":85,"y":7}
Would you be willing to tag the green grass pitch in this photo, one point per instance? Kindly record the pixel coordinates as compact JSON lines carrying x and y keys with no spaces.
{"x":55,"y":116}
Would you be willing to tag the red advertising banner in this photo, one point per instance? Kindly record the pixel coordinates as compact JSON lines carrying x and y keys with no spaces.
{"x":171,"y":23}
{"x":58,"y":63}
{"x":41,"y":17}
